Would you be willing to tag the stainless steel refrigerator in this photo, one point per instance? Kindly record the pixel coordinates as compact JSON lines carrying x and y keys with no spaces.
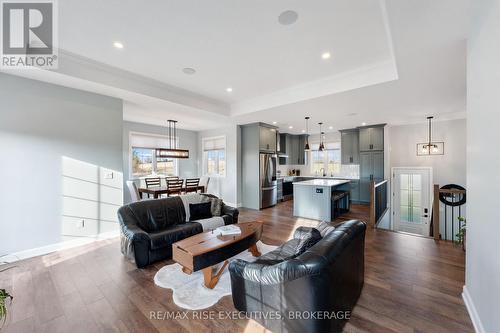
{"x":268,"y":183}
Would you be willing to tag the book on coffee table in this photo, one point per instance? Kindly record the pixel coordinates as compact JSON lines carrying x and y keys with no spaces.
{"x":229,"y":230}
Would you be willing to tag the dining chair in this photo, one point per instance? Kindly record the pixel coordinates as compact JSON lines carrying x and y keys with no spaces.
{"x":204,"y":182}
{"x":134,"y":193}
{"x":153,"y":182}
{"x":171,"y":178}
{"x":174,"y":186}
{"x":192,"y":185}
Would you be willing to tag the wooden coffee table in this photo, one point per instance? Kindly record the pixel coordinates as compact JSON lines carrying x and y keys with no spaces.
{"x":203,"y":251}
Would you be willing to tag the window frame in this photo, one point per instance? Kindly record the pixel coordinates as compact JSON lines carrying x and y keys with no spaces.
{"x":154,"y":172}
{"x":204,"y":162}
{"x":325,"y":159}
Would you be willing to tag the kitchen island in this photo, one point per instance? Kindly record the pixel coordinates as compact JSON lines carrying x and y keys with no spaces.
{"x":312,"y":199}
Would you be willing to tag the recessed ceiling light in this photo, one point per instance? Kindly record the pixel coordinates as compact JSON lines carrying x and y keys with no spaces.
{"x":352,"y":114}
{"x":363,"y":124}
{"x":326,"y":55}
{"x":290,"y":127}
{"x":275,"y":122}
{"x":303,"y":131}
{"x":331,"y":127}
{"x":188,"y":71}
{"x":288,"y":17}
{"x":118,"y":45}
{"x":229,"y":89}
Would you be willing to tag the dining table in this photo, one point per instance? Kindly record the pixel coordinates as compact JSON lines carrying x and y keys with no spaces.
{"x":157,"y":191}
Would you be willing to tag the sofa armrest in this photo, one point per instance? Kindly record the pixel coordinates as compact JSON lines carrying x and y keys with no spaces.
{"x":268,"y":274}
{"x":135,"y":242}
{"x":231,"y":211}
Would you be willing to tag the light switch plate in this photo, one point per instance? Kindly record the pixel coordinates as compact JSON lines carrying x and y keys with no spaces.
{"x":109,"y":175}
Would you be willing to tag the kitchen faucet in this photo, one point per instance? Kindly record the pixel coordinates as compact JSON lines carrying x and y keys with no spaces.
{"x":323,"y":173}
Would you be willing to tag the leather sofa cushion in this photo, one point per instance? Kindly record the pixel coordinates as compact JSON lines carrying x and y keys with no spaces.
{"x":158,"y":214}
{"x":200,"y":211}
{"x":325,"y":228}
{"x":173,"y":234}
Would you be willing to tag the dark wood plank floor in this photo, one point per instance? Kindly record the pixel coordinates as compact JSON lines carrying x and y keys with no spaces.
{"x":412,"y":284}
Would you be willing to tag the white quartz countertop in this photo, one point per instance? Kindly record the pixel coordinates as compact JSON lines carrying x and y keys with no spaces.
{"x":322,"y":182}
{"x":320,"y":177}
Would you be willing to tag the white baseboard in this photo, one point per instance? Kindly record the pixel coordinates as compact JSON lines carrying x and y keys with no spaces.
{"x":474,"y":316}
{"x":58,"y":246}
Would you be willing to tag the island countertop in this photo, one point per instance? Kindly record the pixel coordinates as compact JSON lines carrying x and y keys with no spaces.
{"x":322,"y":182}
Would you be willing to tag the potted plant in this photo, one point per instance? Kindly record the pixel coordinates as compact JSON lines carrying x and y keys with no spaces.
{"x":4,"y":298}
{"x":461,"y":232}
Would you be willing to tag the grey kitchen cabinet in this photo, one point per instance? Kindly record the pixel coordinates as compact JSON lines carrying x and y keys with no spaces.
{"x":371,"y":169}
{"x":372,"y":165}
{"x":371,"y":138}
{"x":267,"y":139}
{"x":354,"y":190}
{"x":283,"y":142}
{"x":294,"y":149}
{"x":349,"y":142}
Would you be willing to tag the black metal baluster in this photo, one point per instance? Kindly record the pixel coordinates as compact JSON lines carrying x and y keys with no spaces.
{"x":453,"y":217}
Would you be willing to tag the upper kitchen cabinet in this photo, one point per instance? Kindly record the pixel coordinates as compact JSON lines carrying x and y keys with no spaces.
{"x":349,"y":142}
{"x":371,"y":138}
{"x":267,"y":139}
{"x":293,"y":149}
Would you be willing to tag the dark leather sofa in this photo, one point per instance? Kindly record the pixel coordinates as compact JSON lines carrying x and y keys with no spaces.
{"x":149,"y":228}
{"x":325,"y":279}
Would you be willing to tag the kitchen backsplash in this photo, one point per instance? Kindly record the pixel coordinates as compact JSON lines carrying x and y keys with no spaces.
{"x":346,"y":170}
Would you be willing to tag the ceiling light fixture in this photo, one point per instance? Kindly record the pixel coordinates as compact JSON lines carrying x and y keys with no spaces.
{"x":306,"y":146}
{"x":326,"y":55}
{"x":330,"y":128}
{"x":118,"y":45}
{"x":275,"y":122}
{"x":290,"y":127}
{"x":363,"y":124}
{"x":288,"y":17}
{"x":188,"y":71}
{"x":430,"y":147}
{"x":229,"y":89}
{"x":172,"y":151}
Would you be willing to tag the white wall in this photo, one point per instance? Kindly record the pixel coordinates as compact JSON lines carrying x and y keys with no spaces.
{"x":448,"y":168}
{"x":58,"y":147}
{"x":228,"y":187}
{"x":482,"y":291}
{"x":187,"y":140}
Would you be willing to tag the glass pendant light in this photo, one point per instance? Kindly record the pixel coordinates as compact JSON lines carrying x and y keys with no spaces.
{"x":306,"y":147}
{"x":321,"y":145}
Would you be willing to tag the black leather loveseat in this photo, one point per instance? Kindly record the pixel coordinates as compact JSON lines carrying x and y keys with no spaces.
{"x":309,"y":292}
{"x":149,"y":228}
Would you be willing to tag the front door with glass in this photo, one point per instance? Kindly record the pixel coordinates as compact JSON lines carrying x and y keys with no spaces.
{"x":411,"y":200}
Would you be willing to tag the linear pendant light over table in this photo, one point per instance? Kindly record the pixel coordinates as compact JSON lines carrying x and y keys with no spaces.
{"x":172,"y":151}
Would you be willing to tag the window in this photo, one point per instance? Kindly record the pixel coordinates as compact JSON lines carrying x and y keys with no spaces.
{"x":327,"y":160}
{"x":214,"y":156}
{"x":143,"y":160}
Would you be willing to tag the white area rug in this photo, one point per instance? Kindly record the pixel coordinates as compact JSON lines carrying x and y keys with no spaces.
{"x":190,"y":292}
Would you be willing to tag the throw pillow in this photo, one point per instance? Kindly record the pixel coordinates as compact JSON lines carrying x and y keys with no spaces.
{"x":305,"y":243}
{"x":216,"y":207}
{"x":325,"y":228}
{"x":200,"y":211}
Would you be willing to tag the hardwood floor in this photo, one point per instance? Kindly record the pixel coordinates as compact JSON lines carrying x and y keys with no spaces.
{"x":412,"y":284}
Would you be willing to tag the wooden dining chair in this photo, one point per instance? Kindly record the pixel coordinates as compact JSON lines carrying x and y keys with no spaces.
{"x":171,"y":178}
{"x":153,"y":182}
{"x":192,"y":185}
{"x":174,"y":186}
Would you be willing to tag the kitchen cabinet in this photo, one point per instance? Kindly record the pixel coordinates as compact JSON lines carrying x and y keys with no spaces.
{"x":371,"y":168}
{"x":349,"y":142}
{"x":371,"y":138}
{"x":293,"y":149}
{"x":267,"y":139}
{"x":354,"y":195}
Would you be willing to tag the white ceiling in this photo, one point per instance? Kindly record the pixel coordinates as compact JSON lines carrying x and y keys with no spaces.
{"x":393,"y":61}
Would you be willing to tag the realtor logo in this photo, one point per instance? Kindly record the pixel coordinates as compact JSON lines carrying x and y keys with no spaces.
{"x":29,"y":36}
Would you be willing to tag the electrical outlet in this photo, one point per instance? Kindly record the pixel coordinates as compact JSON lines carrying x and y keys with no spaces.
{"x":109,"y":175}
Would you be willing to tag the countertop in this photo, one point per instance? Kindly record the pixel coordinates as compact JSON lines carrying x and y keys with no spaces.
{"x":322,"y":182}
{"x":319,"y":177}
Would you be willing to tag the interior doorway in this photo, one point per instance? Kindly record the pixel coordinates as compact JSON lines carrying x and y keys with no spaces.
{"x":411,"y":200}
